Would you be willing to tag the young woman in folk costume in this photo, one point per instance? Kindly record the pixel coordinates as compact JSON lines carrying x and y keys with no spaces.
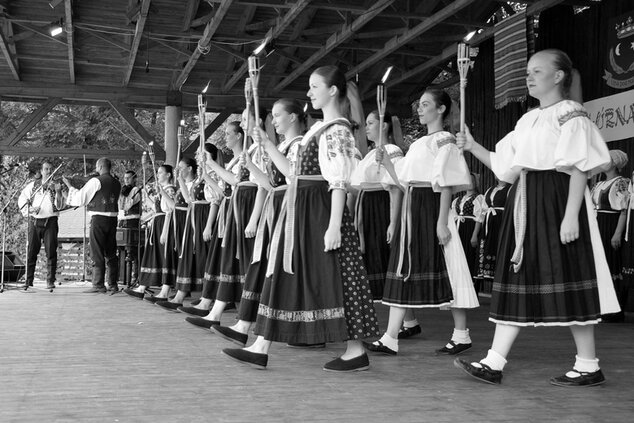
{"x":427,"y":265}
{"x":377,"y":210}
{"x":551,"y":269}
{"x":495,"y":198}
{"x":469,"y":211}
{"x":378,"y":204}
{"x":186,"y":177}
{"x":153,"y":271}
{"x":231,"y":254}
{"x":610,"y":198}
{"x":193,"y":250}
{"x":316,"y":290}
{"x":289,"y":120}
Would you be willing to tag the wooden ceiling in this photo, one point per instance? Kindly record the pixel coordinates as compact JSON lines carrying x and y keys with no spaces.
{"x":151,"y":53}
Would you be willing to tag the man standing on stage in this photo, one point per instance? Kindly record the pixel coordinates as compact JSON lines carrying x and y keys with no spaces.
{"x":41,"y":201}
{"x":130,"y":202}
{"x":130,"y":206}
{"x":101,"y":195}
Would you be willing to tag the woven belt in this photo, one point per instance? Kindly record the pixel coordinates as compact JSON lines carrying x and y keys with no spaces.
{"x":406,"y":228}
{"x":519,"y":222}
{"x":265,"y":222}
{"x":358,"y":213}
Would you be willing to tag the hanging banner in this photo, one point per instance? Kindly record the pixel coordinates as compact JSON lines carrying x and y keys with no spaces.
{"x":613,"y":115}
{"x":619,"y":63}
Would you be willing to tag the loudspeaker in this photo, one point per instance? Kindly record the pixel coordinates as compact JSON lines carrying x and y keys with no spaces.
{"x":14,"y":268}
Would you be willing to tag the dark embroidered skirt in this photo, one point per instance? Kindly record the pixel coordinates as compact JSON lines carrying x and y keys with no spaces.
{"x":556,"y":284}
{"x":375,"y":211}
{"x":627,"y":257}
{"x":191,"y":263}
{"x":607,"y":224}
{"x":327,"y":298}
{"x":428,"y":284}
{"x":153,"y":260}
{"x":254,"y":279}
{"x":627,"y":251}
{"x":465,"y":230}
{"x":226,"y":276}
{"x":212,"y":262}
{"x":489,"y":246}
{"x":171,"y":256}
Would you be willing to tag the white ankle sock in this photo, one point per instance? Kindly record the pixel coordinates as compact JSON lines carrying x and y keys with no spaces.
{"x":494,"y":360}
{"x":410,"y":323}
{"x":389,"y":342}
{"x":585,"y":365}
{"x":461,"y":336}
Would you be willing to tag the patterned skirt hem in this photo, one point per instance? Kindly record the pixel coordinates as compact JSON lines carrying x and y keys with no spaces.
{"x":540,"y":324}
{"x":439,"y":305}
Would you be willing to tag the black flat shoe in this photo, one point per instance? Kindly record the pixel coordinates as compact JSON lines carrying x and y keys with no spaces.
{"x":409,"y":332}
{"x":202,"y":323}
{"x":484,"y":374}
{"x":193,"y":311}
{"x":168,"y":305}
{"x":133,"y":293}
{"x":356,"y":364}
{"x":195,"y":302}
{"x":583,"y":380}
{"x":231,"y":335}
{"x":152,"y":299}
{"x":454,"y":349}
{"x":380,"y":348}
{"x":255,"y":360}
{"x":303,"y":345}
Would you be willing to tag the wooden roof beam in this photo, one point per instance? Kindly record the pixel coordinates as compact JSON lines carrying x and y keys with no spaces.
{"x":134,"y":124}
{"x":400,"y":40}
{"x":30,"y":121}
{"x":210,"y":30}
{"x":274,"y":32}
{"x":138,"y":35}
{"x":209,"y":130}
{"x":68,"y":24}
{"x":108,"y":39}
{"x":190,"y":13}
{"x":89,"y":153}
{"x":346,"y":32}
{"x":449,"y":52}
{"x":39,"y":32}
{"x":8,"y":49}
{"x":302,"y":23}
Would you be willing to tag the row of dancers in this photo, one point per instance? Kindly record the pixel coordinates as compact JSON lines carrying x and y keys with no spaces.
{"x":276,"y":231}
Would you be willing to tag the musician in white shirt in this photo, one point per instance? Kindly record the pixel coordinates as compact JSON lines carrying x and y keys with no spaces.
{"x":40,"y":201}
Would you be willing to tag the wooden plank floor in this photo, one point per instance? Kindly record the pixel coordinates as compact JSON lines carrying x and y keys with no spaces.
{"x":73,"y":357}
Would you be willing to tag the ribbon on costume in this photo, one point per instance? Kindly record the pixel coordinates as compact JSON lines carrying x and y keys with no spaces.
{"x":265,"y":222}
{"x":406,"y":228}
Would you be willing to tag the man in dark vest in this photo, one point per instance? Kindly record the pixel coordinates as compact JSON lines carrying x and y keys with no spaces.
{"x":100,"y":195}
{"x":129,"y":218}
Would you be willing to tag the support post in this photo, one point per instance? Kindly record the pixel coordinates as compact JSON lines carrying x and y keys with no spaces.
{"x":172,"y":120}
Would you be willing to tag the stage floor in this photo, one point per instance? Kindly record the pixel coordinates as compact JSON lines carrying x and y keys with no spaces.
{"x":73,"y":357}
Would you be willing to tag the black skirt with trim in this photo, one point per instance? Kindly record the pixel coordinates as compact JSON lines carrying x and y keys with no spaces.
{"x":556,"y":284}
{"x":376,"y":219}
{"x":428,"y":284}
